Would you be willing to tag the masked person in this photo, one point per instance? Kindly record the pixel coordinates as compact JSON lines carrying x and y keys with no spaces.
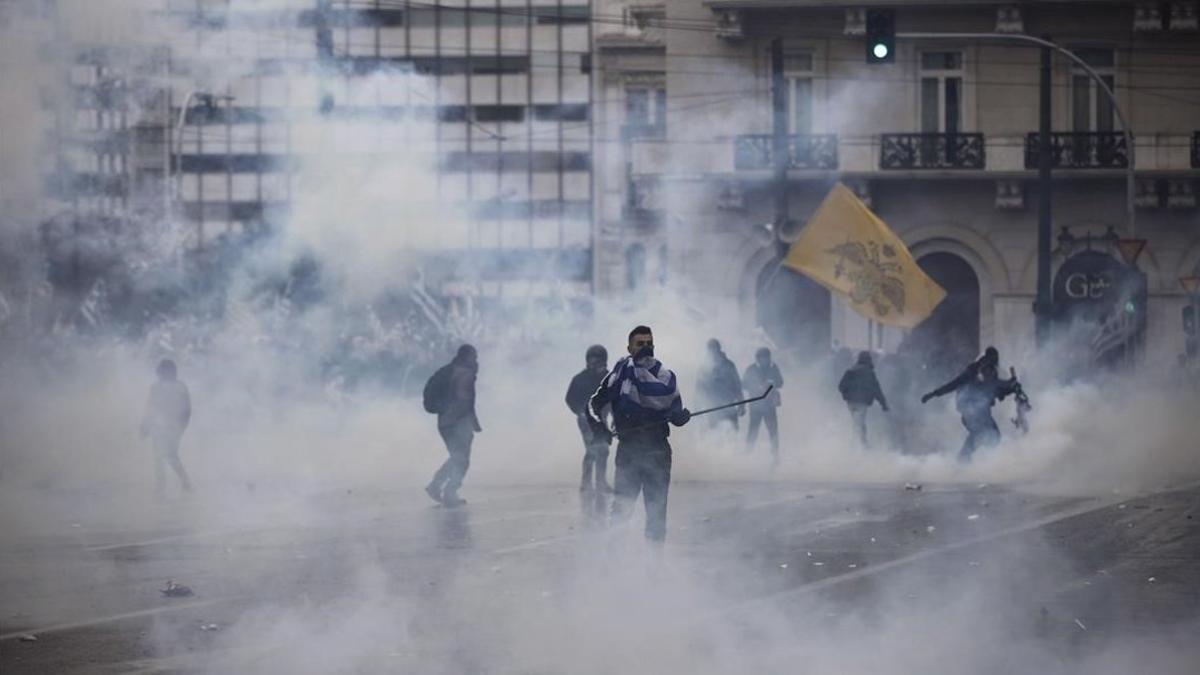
{"x":643,"y":396}
{"x":719,"y":384}
{"x":595,"y":443}
{"x":168,"y":411}
{"x":758,"y":376}
{"x":860,"y":388}
{"x":977,"y":388}
{"x":451,"y":394}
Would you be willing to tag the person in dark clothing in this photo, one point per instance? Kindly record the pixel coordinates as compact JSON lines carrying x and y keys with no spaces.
{"x":457,"y":424}
{"x":168,"y":411}
{"x":595,"y":445}
{"x":860,"y":388}
{"x":720,"y":384}
{"x":977,"y":388}
{"x":758,"y":376}
{"x":643,"y":397}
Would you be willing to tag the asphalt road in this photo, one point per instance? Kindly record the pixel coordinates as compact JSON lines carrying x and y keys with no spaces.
{"x":764,"y":577}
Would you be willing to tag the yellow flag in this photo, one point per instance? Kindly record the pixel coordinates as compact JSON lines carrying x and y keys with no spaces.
{"x":849,"y":250}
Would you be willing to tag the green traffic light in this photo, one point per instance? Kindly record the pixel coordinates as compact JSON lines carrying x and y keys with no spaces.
{"x":1130,"y":308}
{"x":880,"y":50}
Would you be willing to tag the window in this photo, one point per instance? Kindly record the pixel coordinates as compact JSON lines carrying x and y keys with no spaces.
{"x":561,"y":15}
{"x":1091,"y":110}
{"x":798,"y":75}
{"x":646,"y":107}
{"x":499,"y":113}
{"x":941,"y":92}
{"x":567,"y":112}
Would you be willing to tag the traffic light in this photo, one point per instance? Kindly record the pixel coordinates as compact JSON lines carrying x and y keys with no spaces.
{"x":881,"y":36}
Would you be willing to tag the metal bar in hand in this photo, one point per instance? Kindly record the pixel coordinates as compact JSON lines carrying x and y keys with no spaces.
{"x":766,"y":393}
{"x":755,"y":399}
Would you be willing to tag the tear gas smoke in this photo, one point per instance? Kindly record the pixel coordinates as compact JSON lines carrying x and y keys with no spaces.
{"x":304,"y":350}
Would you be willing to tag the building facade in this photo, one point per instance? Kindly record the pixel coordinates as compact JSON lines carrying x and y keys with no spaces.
{"x":209,"y":110}
{"x":942,"y":143}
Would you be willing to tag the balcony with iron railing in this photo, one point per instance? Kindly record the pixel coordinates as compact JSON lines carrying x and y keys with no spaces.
{"x":931,"y":151}
{"x":805,"y":151}
{"x":1081,"y":150}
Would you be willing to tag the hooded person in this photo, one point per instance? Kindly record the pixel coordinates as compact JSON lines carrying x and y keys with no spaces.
{"x":977,"y":388}
{"x":643,"y":396}
{"x":759,"y":375}
{"x":719,"y":384}
{"x":595,"y":442}
{"x":168,"y":412}
{"x":451,"y":393}
{"x":860,"y":388}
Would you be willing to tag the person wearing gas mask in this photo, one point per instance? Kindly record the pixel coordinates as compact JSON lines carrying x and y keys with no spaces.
{"x":719,"y":384}
{"x":643,"y":396}
{"x":759,"y":375}
{"x":595,"y":443}
{"x":977,"y":388}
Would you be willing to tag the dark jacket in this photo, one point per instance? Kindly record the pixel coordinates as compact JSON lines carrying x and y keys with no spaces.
{"x":720,"y":384}
{"x":756,"y":380}
{"x":976,"y":395}
{"x":860,"y":386}
{"x":460,"y":402}
{"x":583,"y":385}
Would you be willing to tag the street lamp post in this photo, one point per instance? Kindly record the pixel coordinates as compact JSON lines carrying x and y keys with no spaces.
{"x":1130,"y":217}
{"x":1043,"y":299}
{"x":176,"y":146}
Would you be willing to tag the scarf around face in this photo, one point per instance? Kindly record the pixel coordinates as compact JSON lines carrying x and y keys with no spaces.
{"x":643,"y":387}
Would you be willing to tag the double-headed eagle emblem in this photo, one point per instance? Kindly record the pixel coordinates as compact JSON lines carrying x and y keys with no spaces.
{"x":870,"y":268}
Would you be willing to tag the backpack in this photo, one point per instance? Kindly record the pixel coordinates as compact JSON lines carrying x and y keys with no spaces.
{"x":437,"y":391}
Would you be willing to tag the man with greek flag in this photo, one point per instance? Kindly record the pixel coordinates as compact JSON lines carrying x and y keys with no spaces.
{"x":644,"y":397}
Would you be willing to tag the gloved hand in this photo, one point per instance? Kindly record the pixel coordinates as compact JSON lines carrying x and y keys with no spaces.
{"x":926,"y":397}
{"x":680,"y":417}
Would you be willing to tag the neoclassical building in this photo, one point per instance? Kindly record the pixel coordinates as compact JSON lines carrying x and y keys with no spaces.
{"x":941,"y":143}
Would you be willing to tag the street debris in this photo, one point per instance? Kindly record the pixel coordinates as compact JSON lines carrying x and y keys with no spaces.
{"x":209,"y":627}
{"x":930,"y":529}
{"x":913,"y":487}
{"x":1080,"y":624}
{"x":818,"y":564}
{"x":783,"y":566}
{"x":973,"y":516}
{"x":973,"y":563}
{"x":1152,"y":579}
{"x":872,"y":540}
{"x":174,"y":590}
{"x":28,"y":638}
{"x":852,"y":566}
